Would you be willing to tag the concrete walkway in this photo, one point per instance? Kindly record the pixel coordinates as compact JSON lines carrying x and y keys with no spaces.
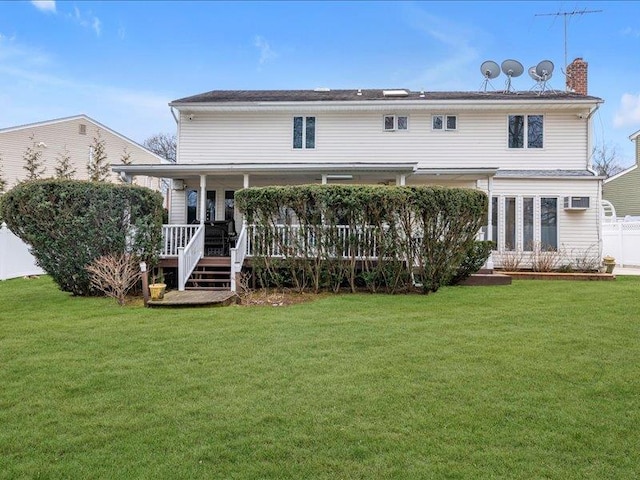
{"x":618,"y":271}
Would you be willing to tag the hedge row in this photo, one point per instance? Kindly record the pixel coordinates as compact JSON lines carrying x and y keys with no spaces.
{"x":70,"y":223}
{"x":395,"y":234}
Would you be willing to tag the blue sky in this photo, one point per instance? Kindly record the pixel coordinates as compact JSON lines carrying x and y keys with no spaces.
{"x":122,"y":62}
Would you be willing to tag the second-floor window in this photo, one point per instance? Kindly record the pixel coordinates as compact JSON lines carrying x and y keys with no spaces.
{"x":444,"y":122}
{"x":395,"y":122}
{"x":304,"y":132}
{"x":526,"y":131}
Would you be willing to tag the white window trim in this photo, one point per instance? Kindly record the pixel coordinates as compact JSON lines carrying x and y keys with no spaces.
{"x":395,"y":123}
{"x":444,"y":117}
{"x":526,"y":132}
{"x":304,"y":133}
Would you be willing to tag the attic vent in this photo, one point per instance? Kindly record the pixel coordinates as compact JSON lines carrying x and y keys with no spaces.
{"x":82,"y":129}
{"x":395,"y":93}
{"x":322,"y":89}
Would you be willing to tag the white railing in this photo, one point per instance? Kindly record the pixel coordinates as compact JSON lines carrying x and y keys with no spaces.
{"x":621,"y":240}
{"x":175,"y":237}
{"x":238,"y":254}
{"x":189,"y":256}
{"x":295,"y":241}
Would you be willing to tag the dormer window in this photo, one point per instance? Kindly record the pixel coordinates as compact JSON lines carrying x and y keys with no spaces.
{"x":396,"y":122}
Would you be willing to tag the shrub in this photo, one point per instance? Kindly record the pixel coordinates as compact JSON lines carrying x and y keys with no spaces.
{"x":114,"y":275}
{"x":393,"y":232}
{"x":475,"y":258}
{"x":71,"y":223}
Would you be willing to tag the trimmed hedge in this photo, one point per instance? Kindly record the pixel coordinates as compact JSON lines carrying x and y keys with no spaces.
{"x":70,"y":223}
{"x":395,"y":233}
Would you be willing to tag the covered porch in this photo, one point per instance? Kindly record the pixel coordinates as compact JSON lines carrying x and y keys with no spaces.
{"x":204,"y":223}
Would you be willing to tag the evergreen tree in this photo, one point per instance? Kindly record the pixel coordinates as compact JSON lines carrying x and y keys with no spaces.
{"x":125,"y":159}
{"x":64,"y":169}
{"x":3,"y":181}
{"x":98,"y":168}
{"x":33,"y":160}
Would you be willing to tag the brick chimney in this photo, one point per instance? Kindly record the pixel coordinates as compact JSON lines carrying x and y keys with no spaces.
{"x":577,"y":76}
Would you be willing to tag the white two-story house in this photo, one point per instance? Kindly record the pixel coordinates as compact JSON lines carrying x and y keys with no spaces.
{"x":529,"y":151}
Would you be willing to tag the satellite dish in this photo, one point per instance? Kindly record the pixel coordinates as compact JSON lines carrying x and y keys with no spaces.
{"x":490,"y":69}
{"x":544,"y":69}
{"x":512,"y":68}
{"x":533,"y":74}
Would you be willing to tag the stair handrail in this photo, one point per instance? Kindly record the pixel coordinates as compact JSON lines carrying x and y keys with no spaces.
{"x":189,"y":256}
{"x":238,"y":254}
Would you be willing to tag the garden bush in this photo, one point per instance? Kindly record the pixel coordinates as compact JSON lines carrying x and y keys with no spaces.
{"x":71,"y":223}
{"x":394,"y":233}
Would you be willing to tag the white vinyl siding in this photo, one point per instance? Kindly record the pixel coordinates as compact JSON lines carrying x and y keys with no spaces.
{"x":359,"y":137}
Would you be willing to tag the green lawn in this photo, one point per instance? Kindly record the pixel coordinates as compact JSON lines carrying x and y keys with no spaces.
{"x":539,"y":379}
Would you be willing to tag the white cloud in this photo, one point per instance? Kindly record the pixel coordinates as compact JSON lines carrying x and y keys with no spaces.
{"x":97,"y":26}
{"x":86,"y":20}
{"x":34,"y":88}
{"x":266,"y":52}
{"x":628,"y":113}
{"x":48,"y":6}
{"x":453,"y":50}
{"x":630,"y":32}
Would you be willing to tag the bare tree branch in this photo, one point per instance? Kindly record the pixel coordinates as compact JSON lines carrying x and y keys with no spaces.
{"x":604,"y":159}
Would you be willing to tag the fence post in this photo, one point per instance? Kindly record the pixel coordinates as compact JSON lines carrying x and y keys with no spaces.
{"x":620,"y":243}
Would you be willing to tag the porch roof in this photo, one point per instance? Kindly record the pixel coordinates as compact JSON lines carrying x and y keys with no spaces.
{"x":288,"y":169}
{"x":189,"y":170}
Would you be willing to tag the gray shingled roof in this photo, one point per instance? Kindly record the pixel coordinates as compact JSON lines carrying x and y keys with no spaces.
{"x":221,"y":96}
{"x":543,"y":173}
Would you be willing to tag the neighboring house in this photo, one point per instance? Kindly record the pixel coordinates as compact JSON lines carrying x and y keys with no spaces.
{"x":74,"y":137}
{"x":529,"y":151}
{"x":622,"y":189}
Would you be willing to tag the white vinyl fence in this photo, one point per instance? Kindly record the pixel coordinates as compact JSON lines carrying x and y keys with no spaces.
{"x":621,"y":240}
{"x":15,"y":259}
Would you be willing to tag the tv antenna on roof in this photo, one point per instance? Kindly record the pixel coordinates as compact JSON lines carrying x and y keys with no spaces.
{"x":565,"y":15}
{"x":490,"y":70}
{"x":512,"y":69}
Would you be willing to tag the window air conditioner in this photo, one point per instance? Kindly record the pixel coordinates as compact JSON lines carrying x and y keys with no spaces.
{"x":576,"y":203}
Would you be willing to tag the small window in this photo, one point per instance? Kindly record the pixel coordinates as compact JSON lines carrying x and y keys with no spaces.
{"x":304,"y":132}
{"x":452,"y":122}
{"x":444,"y":122}
{"x":82,"y":129}
{"x":396,"y":122}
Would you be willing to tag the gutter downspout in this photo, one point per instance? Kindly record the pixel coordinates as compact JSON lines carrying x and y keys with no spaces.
{"x":590,"y":139}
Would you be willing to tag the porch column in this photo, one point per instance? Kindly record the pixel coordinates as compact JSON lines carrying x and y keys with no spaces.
{"x":203,"y":198}
{"x":489,"y":263}
{"x":401,"y":180}
{"x":490,"y":209}
{"x":245,"y":180}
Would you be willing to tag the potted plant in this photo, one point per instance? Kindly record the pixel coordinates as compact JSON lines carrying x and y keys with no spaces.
{"x":157,"y":286}
{"x":609,"y":263}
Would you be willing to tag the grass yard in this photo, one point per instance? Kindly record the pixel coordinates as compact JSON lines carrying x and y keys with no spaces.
{"x":539,"y":379}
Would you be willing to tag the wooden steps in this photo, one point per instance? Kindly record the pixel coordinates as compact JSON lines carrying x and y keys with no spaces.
{"x":211,"y":273}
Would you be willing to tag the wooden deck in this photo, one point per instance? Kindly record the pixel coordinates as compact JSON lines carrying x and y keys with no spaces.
{"x":195,"y":298}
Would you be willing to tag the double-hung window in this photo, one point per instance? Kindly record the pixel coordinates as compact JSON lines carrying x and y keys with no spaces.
{"x":304,"y":132}
{"x":396,"y":122}
{"x":526,"y":131}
